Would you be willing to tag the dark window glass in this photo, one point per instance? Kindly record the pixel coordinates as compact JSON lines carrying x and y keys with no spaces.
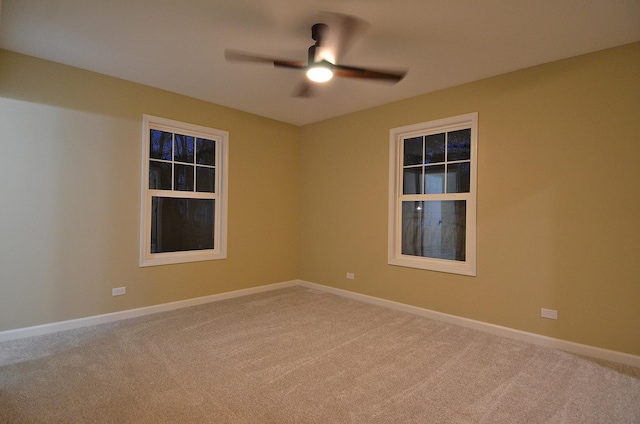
{"x":205,"y":152}
{"x":434,"y":229}
{"x":412,"y":236}
{"x":159,"y":175}
{"x":458,"y":177}
{"x":181,"y":224}
{"x":183,"y":148}
{"x":434,"y":179}
{"x":205,"y":179}
{"x":412,"y":151}
{"x":183,"y":177}
{"x":412,"y":181}
{"x":434,"y":148}
{"x":160,"y":145}
{"x":459,"y":145}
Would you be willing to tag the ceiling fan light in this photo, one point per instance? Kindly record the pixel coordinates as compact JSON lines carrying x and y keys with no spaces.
{"x":319,"y":74}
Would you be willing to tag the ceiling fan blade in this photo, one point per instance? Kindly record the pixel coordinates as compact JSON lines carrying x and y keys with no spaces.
{"x":304,"y":90}
{"x":381,"y":75}
{"x":344,"y":31}
{"x":236,"y":56}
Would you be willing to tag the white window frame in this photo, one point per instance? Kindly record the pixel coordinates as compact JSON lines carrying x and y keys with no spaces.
{"x":221,"y":184}
{"x":396,"y":196}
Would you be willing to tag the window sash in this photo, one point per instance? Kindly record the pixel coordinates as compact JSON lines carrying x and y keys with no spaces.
{"x":219,"y":196}
{"x":397,"y":197}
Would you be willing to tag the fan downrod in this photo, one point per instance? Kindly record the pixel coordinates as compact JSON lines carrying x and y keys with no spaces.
{"x":318,"y":31}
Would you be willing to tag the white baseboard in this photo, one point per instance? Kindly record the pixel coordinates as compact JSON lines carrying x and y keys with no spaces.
{"x":54,"y":327}
{"x":577,"y":348}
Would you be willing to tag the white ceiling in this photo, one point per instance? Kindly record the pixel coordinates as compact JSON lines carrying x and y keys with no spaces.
{"x":178,"y":45}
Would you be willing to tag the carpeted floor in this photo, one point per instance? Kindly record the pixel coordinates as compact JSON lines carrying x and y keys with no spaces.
{"x":300,"y":356}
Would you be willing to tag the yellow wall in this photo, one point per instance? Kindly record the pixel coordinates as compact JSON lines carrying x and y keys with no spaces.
{"x":558,"y":201}
{"x":70,"y":196}
{"x":558,"y":204}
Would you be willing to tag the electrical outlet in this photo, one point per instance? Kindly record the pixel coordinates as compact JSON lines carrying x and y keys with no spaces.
{"x":118,"y":291}
{"x":548,"y":313}
{"x":351,"y":276}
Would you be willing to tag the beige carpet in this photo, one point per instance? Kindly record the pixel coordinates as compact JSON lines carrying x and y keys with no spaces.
{"x":299,"y":356}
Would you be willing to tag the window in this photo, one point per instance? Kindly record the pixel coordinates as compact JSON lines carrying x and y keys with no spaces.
{"x":184,"y":192}
{"x":432,"y":195}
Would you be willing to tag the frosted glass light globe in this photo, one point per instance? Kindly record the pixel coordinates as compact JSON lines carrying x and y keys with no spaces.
{"x":319,"y":74}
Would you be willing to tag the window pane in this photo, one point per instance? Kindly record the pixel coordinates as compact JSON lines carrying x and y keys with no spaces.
{"x":159,"y":175}
{"x":411,"y":180}
{"x":183,"y":148}
{"x":181,"y":224}
{"x":434,"y":229}
{"x":434,"y":148}
{"x":205,"y":179}
{"x":458,"y":177}
{"x":413,"y":151}
{"x":205,"y":152}
{"x":459,"y":145}
{"x":434,"y":179}
{"x":183,"y":178}
{"x":412,"y":217}
{"x":160,"y":145}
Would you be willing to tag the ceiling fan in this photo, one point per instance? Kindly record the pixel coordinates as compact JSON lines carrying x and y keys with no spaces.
{"x":331,"y":41}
